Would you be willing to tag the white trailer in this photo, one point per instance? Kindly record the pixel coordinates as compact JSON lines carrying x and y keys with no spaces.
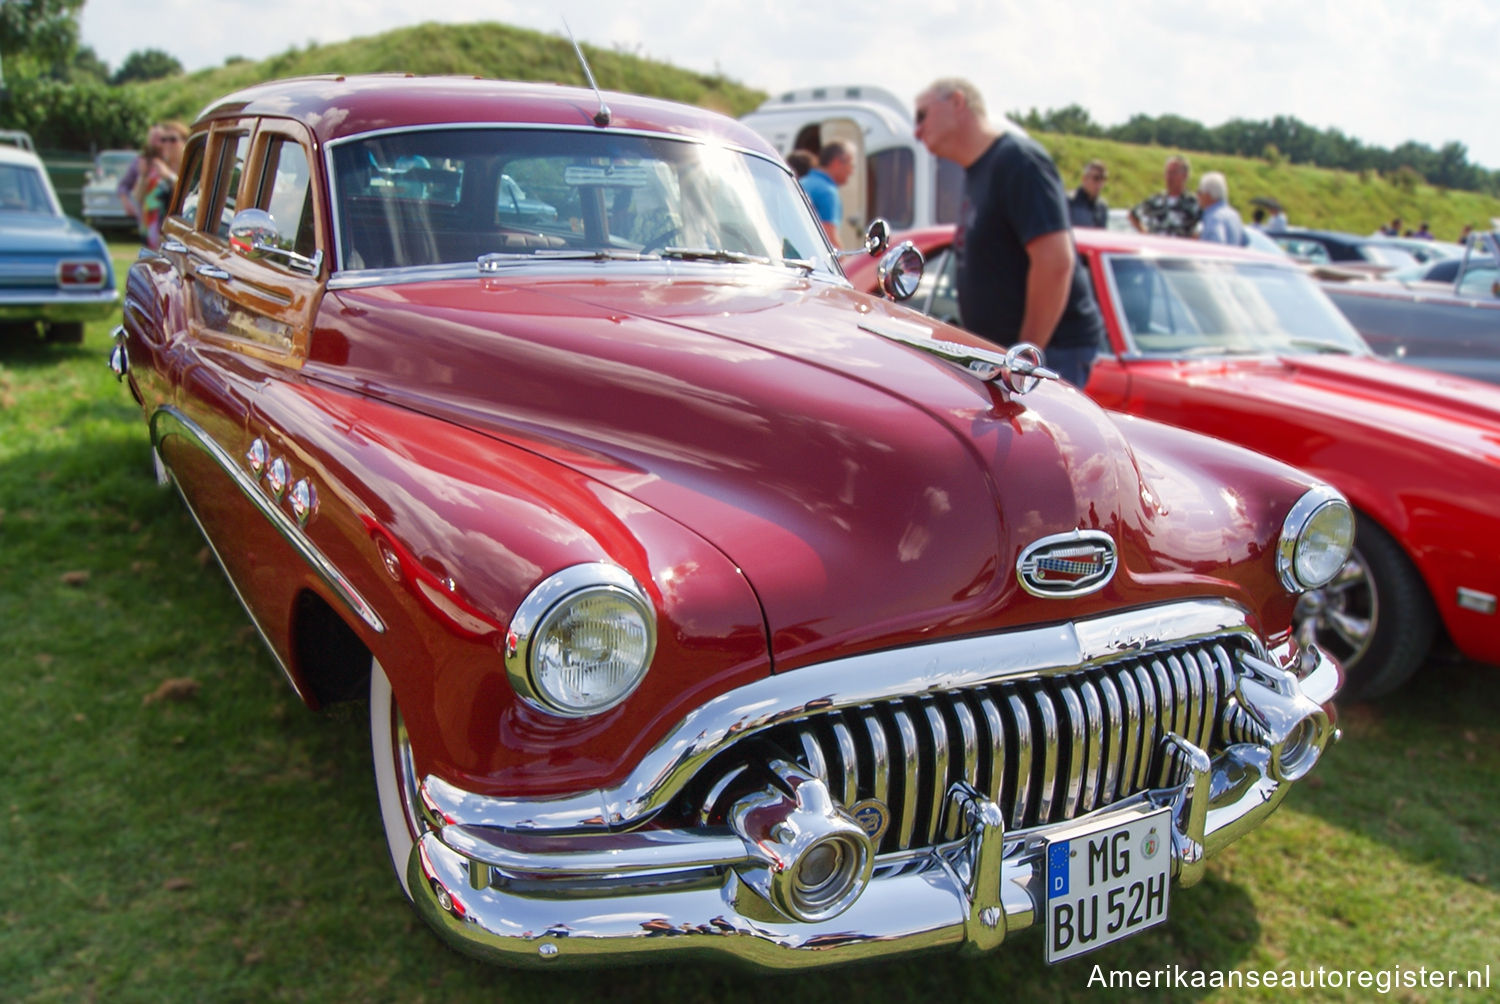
{"x":899,"y":179}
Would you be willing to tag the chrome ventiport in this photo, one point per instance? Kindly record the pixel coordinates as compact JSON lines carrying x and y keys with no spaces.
{"x":304,"y":501}
{"x":256,"y":456}
{"x":818,"y":858}
{"x":277,"y":476}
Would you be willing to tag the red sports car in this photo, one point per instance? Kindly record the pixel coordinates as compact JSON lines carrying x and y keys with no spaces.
{"x":700,"y":607}
{"x":1247,"y":348}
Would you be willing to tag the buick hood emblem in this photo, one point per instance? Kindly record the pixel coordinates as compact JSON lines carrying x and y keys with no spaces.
{"x":1067,"y":564}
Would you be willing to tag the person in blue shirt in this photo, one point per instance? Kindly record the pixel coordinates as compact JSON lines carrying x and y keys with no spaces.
{"x":835,"y":166}
{"x":1220,"y":222}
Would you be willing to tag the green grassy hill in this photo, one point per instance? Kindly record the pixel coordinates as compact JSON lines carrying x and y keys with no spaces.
{"x":1313,"y":197}
{"x":485,"y":50}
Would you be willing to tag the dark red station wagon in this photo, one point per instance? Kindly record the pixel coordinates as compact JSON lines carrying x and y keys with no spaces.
{"x":703,"y":603}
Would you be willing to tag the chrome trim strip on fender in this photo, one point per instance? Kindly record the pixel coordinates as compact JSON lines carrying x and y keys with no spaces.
{"x":168,"y":416}
{"x":844,"y":683}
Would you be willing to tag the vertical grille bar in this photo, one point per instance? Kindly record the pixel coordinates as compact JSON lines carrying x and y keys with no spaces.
{"x":1115,"y":733}
{"x":1150,"y":723}
{"x":880,"y":757}
{"x":1023,"y":745}
{"x":847,"y":783}
{"x":1051,"y":748}
{"x":937,"y":797}
{"x":969,"y":762}
{"x":999,"y":762}
{"x":812,"y":750}
{"x":1095,"y":734}
{"x":908,"y":754}
{"x":1135,"y":736}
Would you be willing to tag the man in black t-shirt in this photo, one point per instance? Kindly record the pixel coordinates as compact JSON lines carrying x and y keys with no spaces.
{"x":1019,"y":279}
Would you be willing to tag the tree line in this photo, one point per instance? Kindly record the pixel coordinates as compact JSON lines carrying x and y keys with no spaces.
{"x":1280,"y":139}
{"x":61,"y":92}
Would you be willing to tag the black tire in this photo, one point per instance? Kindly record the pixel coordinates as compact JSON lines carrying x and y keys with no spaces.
{"x":1375,"y":617}
{"x":395,"y":777}
{"x":65,"y":333}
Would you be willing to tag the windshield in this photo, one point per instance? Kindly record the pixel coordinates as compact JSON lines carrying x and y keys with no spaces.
{"x":23,"y":191}
{"x":1207,"y":307}
{"x":457,"y":195}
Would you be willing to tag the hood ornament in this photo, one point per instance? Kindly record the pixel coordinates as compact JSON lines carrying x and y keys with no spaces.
{"x":1067,"y":564}
{"x":1019,"y":369}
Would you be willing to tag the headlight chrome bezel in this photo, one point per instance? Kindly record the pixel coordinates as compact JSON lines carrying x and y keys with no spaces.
{"x":545,"y":605}
{"x":1312,"y":512}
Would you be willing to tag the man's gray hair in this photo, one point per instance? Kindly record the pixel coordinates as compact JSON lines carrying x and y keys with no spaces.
{"x":833,"y":151}
{"x":1214,"y":185}
{"x":1178,"y":158}
{"x":958,"y":85}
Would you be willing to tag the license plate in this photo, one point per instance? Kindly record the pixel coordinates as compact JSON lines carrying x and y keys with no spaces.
{"x":1106,"y":883}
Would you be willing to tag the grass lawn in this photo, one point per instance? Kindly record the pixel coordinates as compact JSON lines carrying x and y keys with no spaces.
{"x":225,"y":846}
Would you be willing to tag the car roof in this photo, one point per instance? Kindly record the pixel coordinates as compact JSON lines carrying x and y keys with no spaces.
{"x":15,"y":155}
{"x":334,"y":107}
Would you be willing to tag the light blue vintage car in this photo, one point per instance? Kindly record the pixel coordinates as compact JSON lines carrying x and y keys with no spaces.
{"x":55,"y":273}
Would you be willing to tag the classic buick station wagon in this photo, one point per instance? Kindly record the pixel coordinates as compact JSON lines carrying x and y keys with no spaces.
{"x":703,"y":603}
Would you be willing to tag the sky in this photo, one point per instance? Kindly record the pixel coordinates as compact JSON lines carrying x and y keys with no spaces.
{"x":1382,"y":71}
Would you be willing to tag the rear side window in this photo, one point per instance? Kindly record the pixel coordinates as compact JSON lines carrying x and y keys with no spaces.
{"x":231,"y":169}
{"x":192,"y":173}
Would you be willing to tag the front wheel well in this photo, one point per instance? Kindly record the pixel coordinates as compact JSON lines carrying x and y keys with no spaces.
{"x":330,"y":658}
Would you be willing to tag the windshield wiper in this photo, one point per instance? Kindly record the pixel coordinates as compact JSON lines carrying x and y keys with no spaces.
{"x":496,"y":260}
{"x":714,"y":254}
{"x":1320,"y":347}
{"x":735,"y":257}
{"x":1221,"y":350}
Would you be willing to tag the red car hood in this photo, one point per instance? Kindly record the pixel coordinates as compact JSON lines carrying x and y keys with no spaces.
{"x":1393,"y":401}
{"x":851,"y":478}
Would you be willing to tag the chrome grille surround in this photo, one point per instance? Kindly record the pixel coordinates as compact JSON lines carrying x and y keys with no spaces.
{"x":1045,"y":748}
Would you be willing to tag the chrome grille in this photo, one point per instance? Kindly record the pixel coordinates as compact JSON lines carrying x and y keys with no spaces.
{"x":1044,"y":748}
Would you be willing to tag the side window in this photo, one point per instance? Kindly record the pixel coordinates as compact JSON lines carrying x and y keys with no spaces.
{"x":890,"y":176}
{"x":231,"y":168}
{"x":1480,"y":282}
{"x":286,"y":193}
{"x":192,"y":186}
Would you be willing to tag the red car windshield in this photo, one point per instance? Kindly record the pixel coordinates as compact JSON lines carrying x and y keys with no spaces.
{"x":1209,"y":307}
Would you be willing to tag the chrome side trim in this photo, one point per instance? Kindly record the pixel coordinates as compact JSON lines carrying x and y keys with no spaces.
{"x":168,"y":420}
{"x":912,"y":672}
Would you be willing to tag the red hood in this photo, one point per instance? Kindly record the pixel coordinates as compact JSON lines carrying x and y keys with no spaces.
{"x":1425,"y":410}
{"x":851,"y":478}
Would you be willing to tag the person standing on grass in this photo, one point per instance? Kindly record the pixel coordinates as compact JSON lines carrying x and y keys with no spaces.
{"x":1019,"y":278}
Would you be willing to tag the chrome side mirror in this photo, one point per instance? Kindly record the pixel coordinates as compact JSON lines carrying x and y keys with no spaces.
{"x":253,"y":235}
{"x":877,"y":237}
{"x":900,"y":271}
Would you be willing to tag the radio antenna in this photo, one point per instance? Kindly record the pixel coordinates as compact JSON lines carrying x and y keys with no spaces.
{"x":602,"y":116}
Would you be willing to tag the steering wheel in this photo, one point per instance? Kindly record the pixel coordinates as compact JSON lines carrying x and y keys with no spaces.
{"x":660,"y":241}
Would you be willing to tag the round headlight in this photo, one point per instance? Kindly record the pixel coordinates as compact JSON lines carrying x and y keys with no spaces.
{"x":1315,"y":540}
{"x":581,"y":641}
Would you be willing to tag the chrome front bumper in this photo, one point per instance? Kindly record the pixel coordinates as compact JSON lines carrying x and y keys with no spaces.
{"x":518,"y":894}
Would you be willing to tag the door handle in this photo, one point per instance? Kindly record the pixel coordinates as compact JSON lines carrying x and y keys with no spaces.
{"x":211,"y":272}
{"x":176,"y":247}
